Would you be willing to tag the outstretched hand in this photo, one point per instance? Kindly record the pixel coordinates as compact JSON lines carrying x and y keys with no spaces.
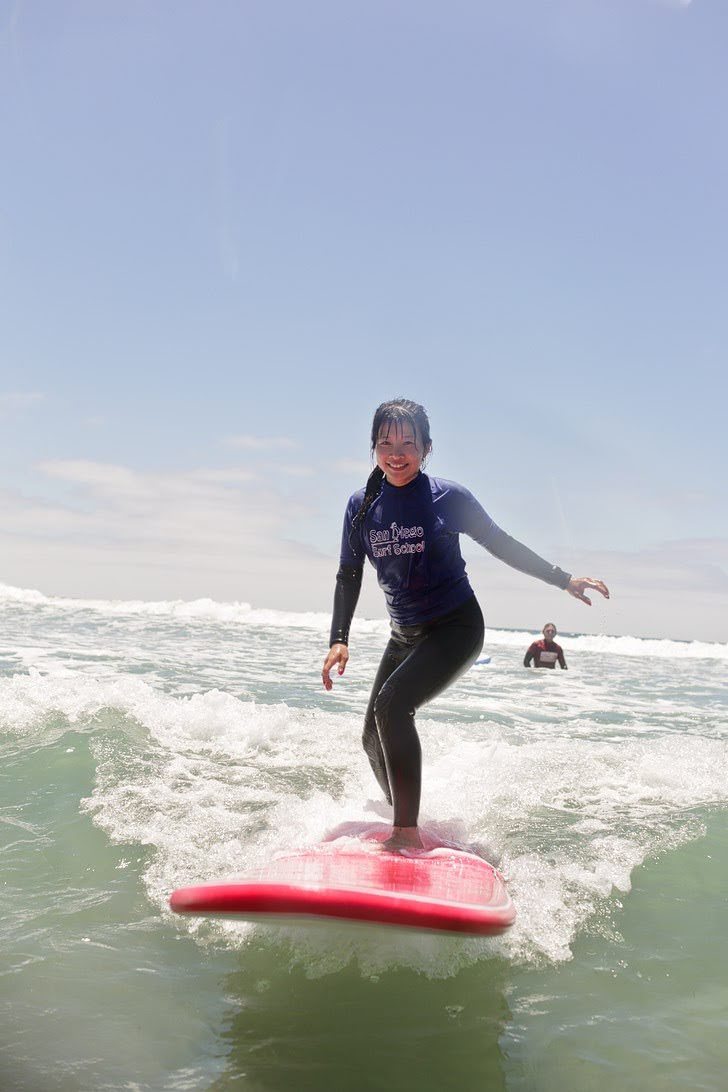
{"x":578,"y":585}
{"x":338,"y":654}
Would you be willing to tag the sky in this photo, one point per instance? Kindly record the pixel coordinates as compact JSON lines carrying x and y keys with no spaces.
{"x":229,"y":231}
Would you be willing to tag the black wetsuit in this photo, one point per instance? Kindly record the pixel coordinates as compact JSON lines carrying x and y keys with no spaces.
{"x":410,"y":535}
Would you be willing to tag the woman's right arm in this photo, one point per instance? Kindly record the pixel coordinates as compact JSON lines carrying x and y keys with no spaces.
{"x":346,"y":596}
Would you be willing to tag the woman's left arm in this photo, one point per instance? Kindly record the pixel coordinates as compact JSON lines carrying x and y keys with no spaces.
{"x":480,"y":526}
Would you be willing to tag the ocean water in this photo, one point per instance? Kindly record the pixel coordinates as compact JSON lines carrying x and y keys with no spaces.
{"x":147,"y":746}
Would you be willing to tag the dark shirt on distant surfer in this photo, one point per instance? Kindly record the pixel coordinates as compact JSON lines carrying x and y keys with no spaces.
{"x":545,"y":654}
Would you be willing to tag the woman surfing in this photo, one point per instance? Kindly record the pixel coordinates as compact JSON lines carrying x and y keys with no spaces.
{"x":408,"y":525}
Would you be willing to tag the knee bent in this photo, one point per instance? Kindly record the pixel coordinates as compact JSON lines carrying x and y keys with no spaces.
{"x":391,"y":709}
{"x":370,"y":737}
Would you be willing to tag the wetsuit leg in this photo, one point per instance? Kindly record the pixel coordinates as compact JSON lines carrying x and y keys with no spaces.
{"x":393,"y":656}
{"x":446,"y":649}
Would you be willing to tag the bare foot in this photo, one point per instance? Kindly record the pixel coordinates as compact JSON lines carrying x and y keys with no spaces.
{"x":403,"y":838}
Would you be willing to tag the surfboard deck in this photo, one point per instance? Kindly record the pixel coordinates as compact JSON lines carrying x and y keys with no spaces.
{"x":353,"y":878}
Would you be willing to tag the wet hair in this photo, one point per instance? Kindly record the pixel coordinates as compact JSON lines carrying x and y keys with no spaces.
{"x":399,"y":411}
{"x":402,"y":411}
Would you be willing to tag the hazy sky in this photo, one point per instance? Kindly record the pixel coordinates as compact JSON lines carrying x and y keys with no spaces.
{"x":229,"y":230}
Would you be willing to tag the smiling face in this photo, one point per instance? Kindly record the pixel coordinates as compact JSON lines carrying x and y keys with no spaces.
{"x":399,"y":451}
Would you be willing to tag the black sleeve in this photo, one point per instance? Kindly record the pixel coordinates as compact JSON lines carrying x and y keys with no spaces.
{"x":527,"y":658}
{"x":519,"y":557}
{"x":346,"y":596}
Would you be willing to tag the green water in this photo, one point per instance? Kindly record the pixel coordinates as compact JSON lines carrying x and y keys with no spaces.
{"x":98,"y":990}
{"x":645,"y":1009}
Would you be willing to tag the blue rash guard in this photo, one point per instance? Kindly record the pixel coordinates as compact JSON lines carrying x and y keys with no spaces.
{"x":411,"y":536}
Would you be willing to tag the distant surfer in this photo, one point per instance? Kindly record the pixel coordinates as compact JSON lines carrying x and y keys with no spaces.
{"x":545,"y":653}
{"x":408,"y":525}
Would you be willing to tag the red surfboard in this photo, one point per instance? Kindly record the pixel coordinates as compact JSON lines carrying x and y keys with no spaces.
{"x":439,"y":888}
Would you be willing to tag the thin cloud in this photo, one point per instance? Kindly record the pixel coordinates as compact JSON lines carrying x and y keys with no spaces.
{"x":296,"y":470}
{"x":258,"y":443}
{"x":17,"y":401}
{"x":224,"y":507}
{"x":86,"y":472}
{"x":110,"y":487}
{"x":100,"y":477}
{"x":357,"y":467}
{"x":232,"y":475}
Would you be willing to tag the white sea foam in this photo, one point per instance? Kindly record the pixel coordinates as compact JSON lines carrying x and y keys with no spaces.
{"x":181,"y":609}
{"x":214,"y":784}
{"x":661,"y":648}
{"x":236,"y":613}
